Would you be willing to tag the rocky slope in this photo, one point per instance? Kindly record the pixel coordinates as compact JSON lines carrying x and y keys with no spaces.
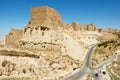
{"x":46,"y":66}
{"x":104,"y":51}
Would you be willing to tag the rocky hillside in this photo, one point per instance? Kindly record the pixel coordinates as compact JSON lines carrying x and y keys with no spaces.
{"x":47,"y":66}
{"x":104,"y":51}
{"x":47,"y":49}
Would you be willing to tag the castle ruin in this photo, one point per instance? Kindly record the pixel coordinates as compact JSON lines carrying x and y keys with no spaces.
{"x":46,"y":32}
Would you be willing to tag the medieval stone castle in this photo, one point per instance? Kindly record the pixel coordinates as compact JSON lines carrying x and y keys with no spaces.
{"x":45,"y":32}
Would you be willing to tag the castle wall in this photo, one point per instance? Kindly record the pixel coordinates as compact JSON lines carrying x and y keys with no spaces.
{"x":13,"y":37}
{"x":41,"y":39}
{"x":52,"y":40}
{"x":89,"y":27}
{"x":75,"y":26}
{"x":46,"y":17}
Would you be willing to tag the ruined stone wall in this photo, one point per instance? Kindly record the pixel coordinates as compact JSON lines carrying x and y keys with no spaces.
{"x":13,"y":37}
{"x":89,"y":27}
{"x":51,"y":40}
{"x":41,"y":38}
{"x":75,"y":26}
{"x":46,"y":17}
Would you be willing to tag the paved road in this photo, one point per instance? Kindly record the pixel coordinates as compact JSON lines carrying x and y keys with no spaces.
{"x":88,"y":57}
{"x":89,"y":69}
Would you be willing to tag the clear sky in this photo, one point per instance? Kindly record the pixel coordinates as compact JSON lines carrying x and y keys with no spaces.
{"x":102,"y":13}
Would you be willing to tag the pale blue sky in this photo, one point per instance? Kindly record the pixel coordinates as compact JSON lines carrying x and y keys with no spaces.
{"x":102,"y":13}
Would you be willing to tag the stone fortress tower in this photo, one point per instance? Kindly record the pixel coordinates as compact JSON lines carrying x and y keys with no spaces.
{"x":45,"y":16}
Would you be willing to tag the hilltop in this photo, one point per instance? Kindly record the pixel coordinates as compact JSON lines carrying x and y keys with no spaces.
{"x":47,"y":48}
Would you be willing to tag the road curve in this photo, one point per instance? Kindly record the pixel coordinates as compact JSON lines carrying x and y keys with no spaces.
{"x":88,"y":69}
{"x":85,"y":70}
